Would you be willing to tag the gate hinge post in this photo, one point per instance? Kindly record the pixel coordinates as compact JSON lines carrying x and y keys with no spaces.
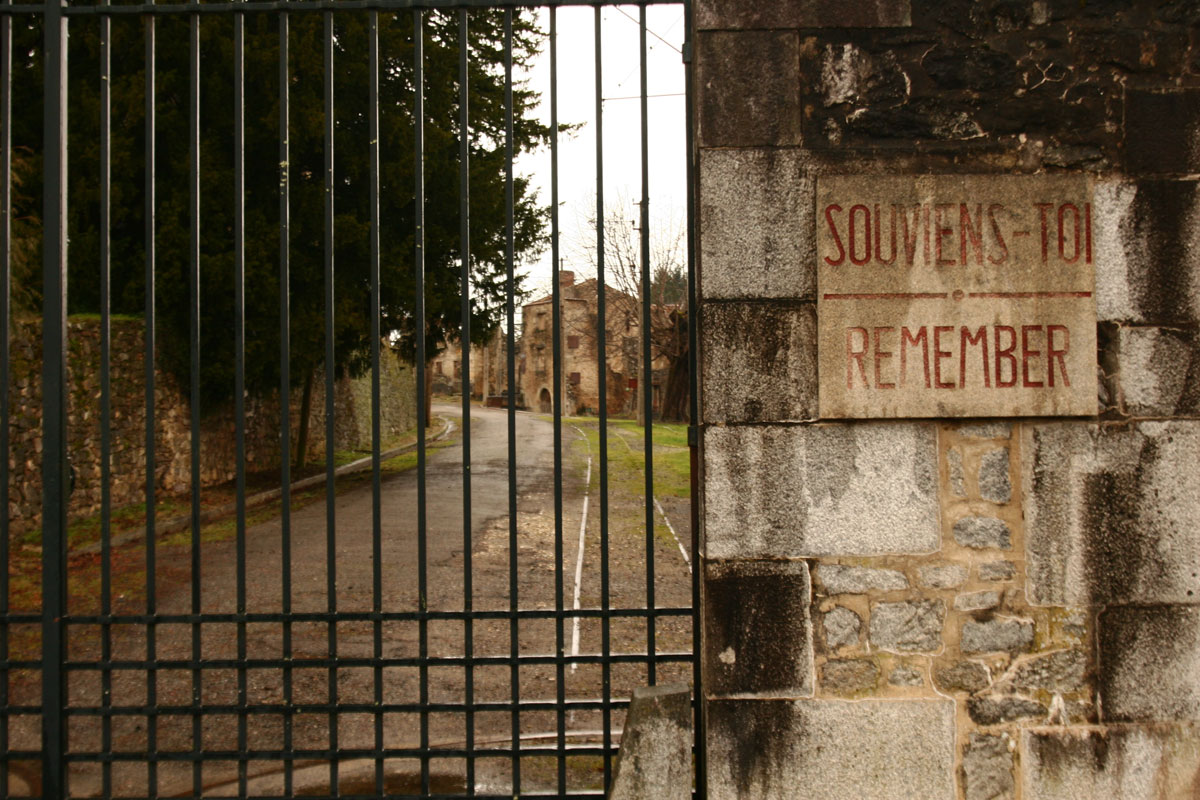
{"x":693,"y":435}
{"x":686,"y":52}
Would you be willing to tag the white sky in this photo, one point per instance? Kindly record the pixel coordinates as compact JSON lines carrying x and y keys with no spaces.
{"x":622,"y":125}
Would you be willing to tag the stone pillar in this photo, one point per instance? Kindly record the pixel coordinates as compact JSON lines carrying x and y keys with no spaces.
{"x":940,"y":608}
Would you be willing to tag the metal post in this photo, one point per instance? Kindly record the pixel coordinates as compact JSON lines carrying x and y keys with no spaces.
{"x":54,"y":402}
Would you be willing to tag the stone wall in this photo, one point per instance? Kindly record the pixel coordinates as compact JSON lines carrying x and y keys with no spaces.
{"x":172,"y":421}
{"x":981,"y":608}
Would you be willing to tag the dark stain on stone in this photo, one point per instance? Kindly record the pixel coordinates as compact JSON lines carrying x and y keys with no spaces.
{"x":1140,"y":648}
{"x":1189,"y":398}
{"x":1119,"y":555}
{"x":758,"y":618}
{"x":1161,"y":214}
{"x":1060,"y":753}
{"x":760,"y":733}
{"x":1108,"y":347}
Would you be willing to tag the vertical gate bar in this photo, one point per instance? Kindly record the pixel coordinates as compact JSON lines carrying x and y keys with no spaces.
{"x":560,"y":642}
{"x":693,"y":312}
{"x":5,"y":378}
{"x":602,"y":369}
{"x":510,"y":298}
{"x":376,"y":420}
{"x":286,"y":405}
{"x":54,"y":402}
{"x":330,"y":367}
{"x":194,"y":307}
{"x":464,"y":340}
{"x":105,"y":398}
{"x":149,"y":359}
{"x":285,"y":415}
{"x":422,"y":415}
{"x":239,"y":380}
{"x":647,"y":386}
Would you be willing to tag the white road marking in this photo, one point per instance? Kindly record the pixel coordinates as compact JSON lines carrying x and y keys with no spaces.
{"x":671,"y":528}
{"x":579,"y":561}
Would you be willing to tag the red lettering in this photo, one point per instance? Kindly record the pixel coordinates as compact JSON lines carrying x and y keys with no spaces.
{"x":1026,"y":352}
{"x":970,"y":232}
{"x":1006,"y":354}
{"x":980,"y":338}
{"x":878,"y":239}
{"x":942,"y":232}
{"x":1087,"y":231}
{"x":880,"y":355}
{"x":925,"y":228}
{"x":999,"y":236}
{"x":1042,"y":209}
{"x":910,"y":241}
{"x":906,"y":338}
{"x":866,"y":231}
{"x":853,"y":356}
{"x":837,"y":240}
{"x":1055,"y":354}
{"x":1062,"y":234}
{"x":938,"y":355}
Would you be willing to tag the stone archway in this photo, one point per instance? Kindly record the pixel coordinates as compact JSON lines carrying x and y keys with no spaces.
{"x":545,"y":402}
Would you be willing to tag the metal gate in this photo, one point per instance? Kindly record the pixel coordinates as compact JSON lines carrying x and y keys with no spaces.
{"x":424,"y":620}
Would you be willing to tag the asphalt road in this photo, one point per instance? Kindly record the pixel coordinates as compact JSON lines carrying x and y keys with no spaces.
{"x":352,"y":557}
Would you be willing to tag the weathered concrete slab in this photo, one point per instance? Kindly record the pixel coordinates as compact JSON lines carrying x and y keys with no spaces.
{"x":758,"y":634}
{"x":1111,"y":513}
{"x":1148,"y":251}
{"x":749,"y":87}
{"x":802,"y":14}
{"x":830,"y":489}
{"x":831,"y":749}
{"x":656,"y":745}
{"x":1159,"y":763}
{"x":756,"y":234}
{"x":1158,"y":371}
{"x":759,"y":362}
{"x":953,"y":295}
{"x":1149,"y":663}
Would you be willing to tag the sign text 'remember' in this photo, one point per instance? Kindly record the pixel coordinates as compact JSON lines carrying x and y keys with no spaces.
{"x":953,"y":296}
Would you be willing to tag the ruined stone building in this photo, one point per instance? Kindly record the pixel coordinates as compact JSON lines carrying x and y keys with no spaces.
{"x":580,"y":350}
{"x":488,"y":365}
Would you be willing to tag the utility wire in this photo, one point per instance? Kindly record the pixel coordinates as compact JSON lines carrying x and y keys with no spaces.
{"x":622,"y":11}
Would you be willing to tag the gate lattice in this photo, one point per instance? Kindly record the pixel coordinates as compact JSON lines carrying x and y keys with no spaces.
{"x":320,"y":651}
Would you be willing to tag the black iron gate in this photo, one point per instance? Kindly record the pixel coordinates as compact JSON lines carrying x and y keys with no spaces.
{"x":444,"y":624}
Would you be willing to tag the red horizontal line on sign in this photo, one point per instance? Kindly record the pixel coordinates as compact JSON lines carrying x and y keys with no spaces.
{"x":1024,"y":295}
{"x":889,"y":296}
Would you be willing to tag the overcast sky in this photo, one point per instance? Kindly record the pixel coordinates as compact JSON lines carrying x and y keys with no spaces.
{"x":622,"y":124}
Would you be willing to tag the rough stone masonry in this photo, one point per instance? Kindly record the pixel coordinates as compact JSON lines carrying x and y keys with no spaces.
{"x":940,"y":604}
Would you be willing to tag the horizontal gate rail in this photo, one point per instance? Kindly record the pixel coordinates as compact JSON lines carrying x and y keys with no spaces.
{"x":202,"y":663}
